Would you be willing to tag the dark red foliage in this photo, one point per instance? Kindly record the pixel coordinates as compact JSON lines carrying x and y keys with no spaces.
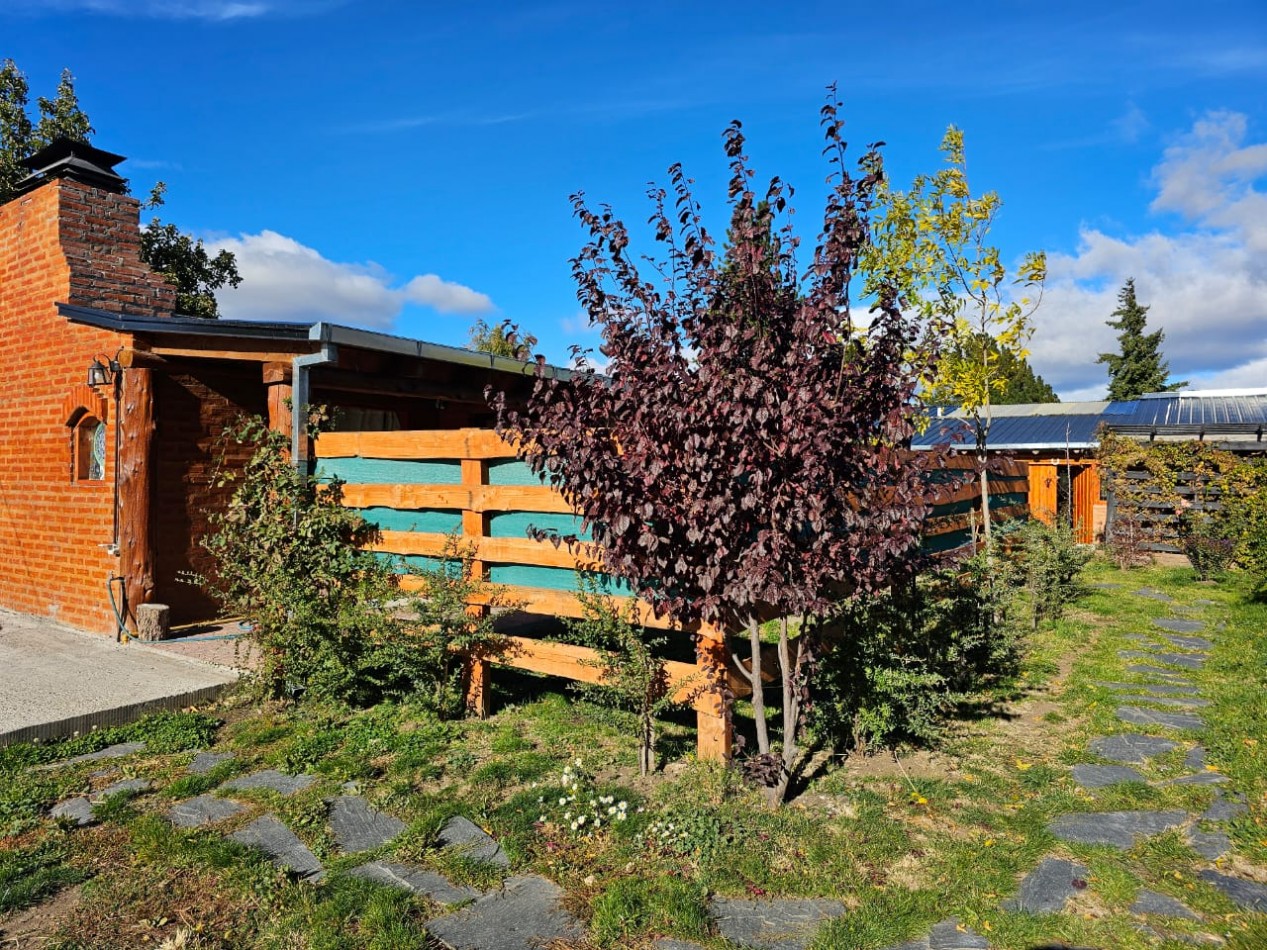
{"x":743,"y":453}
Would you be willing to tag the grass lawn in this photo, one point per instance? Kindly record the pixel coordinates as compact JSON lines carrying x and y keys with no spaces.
{"x":903,"y":842}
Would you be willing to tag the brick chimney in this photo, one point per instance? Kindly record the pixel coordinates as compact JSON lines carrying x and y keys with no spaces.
{"x":74,"y":199}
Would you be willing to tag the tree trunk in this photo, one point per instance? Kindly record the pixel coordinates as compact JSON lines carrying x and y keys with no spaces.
{"x":758,"y":695}
{"x":791,"y":715}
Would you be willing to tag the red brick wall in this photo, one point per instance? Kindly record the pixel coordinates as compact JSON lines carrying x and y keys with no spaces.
{"x":194,"y":404}
{"x":63,"y":242}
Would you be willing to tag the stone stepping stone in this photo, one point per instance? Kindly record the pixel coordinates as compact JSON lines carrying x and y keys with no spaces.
{"x":1165,"y":689}
{"x":1138,"y":716}
{"x":1211,"y":845}
{"x":203,"y":810}
{"x":669,"y":943}
{"x":1170,"y":676}
{"x":525,"y":914}
{"x":416,"y":881}
{"x":1247,"y":895}
{"x":1100,"y":776}
{"x":1047,"y":888}
{"x":1121,"y":829}
{"x":1226,"y":809}
{"x":131,"y":786}
{"x":1187,"y":661}
{"x":947,"y":935}
{"x":281,"y":845}
{"x":117,"y":751}
{"x":279,"y":782}
{"x":474,"y":842}
{"x":1150,"y":593}
{"x":77,"y":811}
{"x":1199,"y":778}
{"x":1189,"y":702}
{"x":204,"y":762}
{"x":1203,"y":602}
{"x":1179,"y":625}
{"x":1129,"y":747}
{"x":789,"y":923}
{"x":1195,"y":759}
{"x":1199,"y":644}
{"x":357,"y":827}
{"x":1160,"y":905}
{"x":1106,"y":585}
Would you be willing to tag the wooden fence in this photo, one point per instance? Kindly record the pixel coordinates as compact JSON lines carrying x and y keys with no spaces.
{"x":421,"y":487}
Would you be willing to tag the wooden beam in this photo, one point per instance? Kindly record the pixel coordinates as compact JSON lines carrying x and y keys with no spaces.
{"x":136,"y":545}
{"x":482,"y":444}
{"x":480,"y":498}
{"x":489,"y":550}
{"x":237,"y":355}
{"x":130,"y":358}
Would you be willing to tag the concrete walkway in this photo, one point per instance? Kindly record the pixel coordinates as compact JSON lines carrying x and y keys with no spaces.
{"x":56,"y":682}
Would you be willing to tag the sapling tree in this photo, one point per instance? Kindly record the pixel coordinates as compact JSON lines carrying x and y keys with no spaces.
{"x":742,"y":456}
{"x":632,"y":673}
{"x":932,"y":243}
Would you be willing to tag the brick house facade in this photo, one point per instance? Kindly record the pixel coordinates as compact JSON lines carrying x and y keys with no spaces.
{"x":106,"y":490}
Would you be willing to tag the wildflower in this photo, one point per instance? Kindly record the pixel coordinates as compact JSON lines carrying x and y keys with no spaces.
{"x":563,"y":801}
{"x":542,"y":819}
{"x":1024,"y":766}
{"x":573,"y":826}
{"x":580,"y":819}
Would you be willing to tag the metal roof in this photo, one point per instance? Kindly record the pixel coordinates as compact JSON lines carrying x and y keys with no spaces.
{"x":1241,"y":414}
{"x":1016,"y":432}
{"x":1181,"y":410}
{"x":303,"y":333}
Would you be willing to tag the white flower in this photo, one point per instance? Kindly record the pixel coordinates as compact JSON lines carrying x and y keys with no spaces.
{"x":580,"y":820}
{"x":541,"y":800}
{"x":573,"y":826}
{"x":542,"y":819}
{"x":563,"y":801}
{"x":624,"y":805}
{"x":598,"y":822}
{"x":578,"y":763}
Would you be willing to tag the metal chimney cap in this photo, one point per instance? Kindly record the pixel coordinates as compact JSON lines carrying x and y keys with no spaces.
{"x":79,"y":161}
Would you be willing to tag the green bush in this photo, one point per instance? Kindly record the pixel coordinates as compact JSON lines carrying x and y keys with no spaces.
{"x":328,"y":616}
{"x":1246,"y":516}
{"x":897,"y":665}
{"x":1050,"y":562}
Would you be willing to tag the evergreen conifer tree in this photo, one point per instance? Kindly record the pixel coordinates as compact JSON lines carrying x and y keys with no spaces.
{"x":1137,"y":368}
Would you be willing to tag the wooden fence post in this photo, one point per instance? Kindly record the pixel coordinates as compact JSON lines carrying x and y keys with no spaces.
{"x":715,"y":732}
{"x":474,"y":527}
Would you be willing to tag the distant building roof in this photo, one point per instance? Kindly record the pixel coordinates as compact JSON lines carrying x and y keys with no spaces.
{"x":1238,"y":415}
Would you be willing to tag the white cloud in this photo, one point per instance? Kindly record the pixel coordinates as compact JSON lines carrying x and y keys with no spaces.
{"x":156,"y":9}
{"x":1206,"y":285}
{"x":283,"y":279}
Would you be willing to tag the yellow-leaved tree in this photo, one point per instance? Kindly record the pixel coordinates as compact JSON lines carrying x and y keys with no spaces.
{"x":933,"y":242}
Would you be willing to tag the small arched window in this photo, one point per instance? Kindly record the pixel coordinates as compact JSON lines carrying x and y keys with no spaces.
{"x":85,"y":413}
{"x":90,"y":449}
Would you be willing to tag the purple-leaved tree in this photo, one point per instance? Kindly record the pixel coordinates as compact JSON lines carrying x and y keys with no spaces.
{"x":742,"y":457}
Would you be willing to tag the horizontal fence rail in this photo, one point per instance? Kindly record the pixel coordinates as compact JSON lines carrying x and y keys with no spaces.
{"x":423,"y":487}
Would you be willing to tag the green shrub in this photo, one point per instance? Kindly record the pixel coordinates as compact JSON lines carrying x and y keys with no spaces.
{"x":1247,"y":526}
{"x":632,"y":675}
{"x":1206,"y":541}
{"x":328,"y":616}
{"x":897,"y":665}
{"x":1050,"y":562}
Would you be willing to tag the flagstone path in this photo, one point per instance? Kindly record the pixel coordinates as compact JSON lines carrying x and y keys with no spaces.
{"x":526,"y":911}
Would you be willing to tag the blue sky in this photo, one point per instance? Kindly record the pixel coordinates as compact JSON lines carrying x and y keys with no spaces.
{"x":407,"y":166}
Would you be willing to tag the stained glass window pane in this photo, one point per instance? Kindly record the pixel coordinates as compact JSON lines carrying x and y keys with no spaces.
{"x":97,"y":462}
